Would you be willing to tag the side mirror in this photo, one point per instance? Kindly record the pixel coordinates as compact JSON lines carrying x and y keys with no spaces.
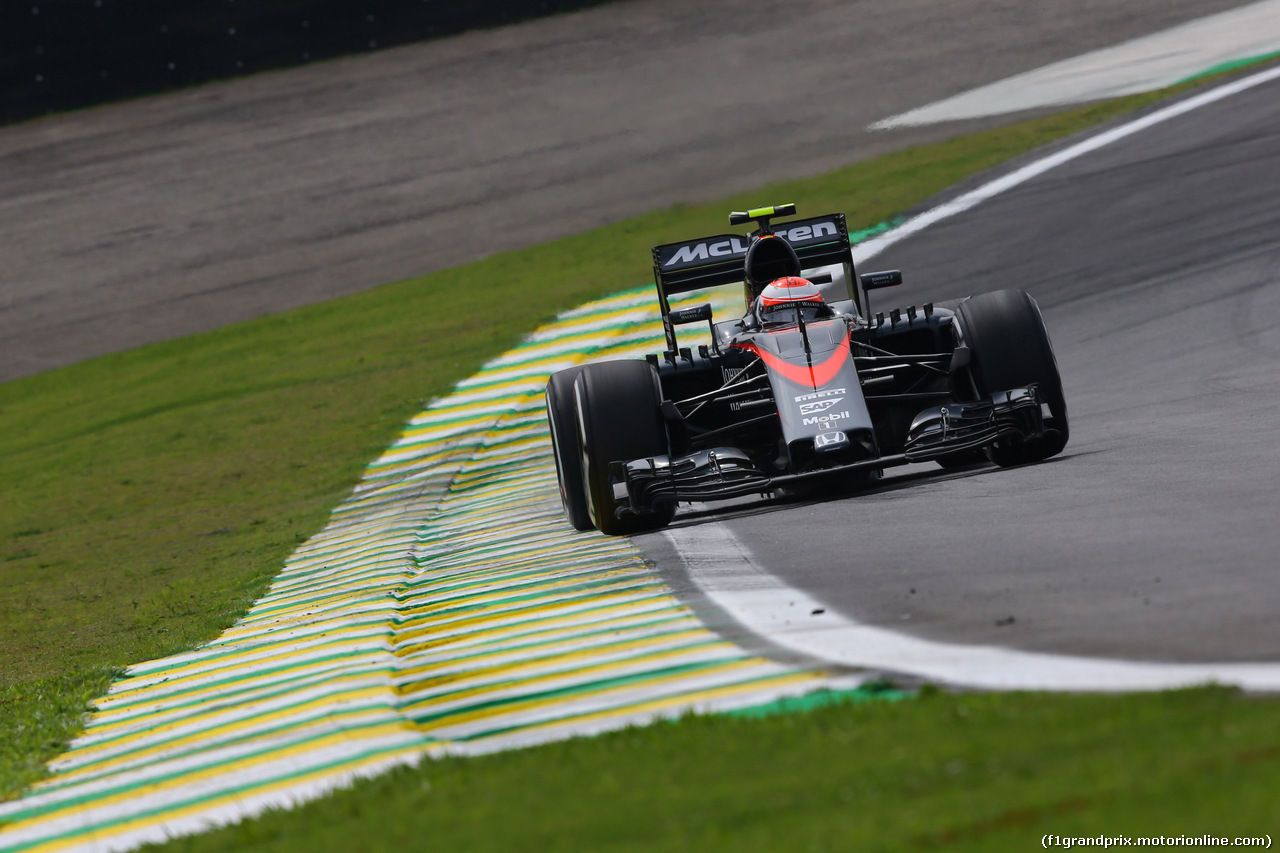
{"x":697,"y":314}
{"x":877,"y":280}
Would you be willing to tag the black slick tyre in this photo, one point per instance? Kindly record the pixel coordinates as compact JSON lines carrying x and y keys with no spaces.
{"x":619,"y":419}
{"x":564,"y":444}
{"x":1010,"y":348}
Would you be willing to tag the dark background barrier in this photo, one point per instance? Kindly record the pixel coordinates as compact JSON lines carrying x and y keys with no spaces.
{"x":63,"y":54}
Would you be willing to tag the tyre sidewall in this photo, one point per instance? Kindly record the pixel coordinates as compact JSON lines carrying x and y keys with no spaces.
{"x":564,"y":445}
{"x":1010,"y":348}
{"x":618,"y":419}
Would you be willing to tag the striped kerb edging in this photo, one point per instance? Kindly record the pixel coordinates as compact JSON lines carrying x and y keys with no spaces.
{"x":446,"y":608}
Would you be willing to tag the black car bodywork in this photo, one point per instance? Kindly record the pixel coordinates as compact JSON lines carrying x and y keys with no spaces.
{"x":843,"y":395}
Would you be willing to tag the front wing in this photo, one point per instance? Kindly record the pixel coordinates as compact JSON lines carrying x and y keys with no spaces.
{"x":726,"y":472}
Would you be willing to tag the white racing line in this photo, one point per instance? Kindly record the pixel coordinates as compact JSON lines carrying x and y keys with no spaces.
{"x":725,"y":571}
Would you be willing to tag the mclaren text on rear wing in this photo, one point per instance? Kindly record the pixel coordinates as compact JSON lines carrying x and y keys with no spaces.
{"x":713,"y":261}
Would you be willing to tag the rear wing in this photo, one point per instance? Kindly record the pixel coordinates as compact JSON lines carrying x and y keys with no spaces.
{"x":714,"y":261}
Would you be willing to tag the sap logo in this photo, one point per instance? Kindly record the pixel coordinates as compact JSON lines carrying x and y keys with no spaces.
{"x":818,"y":406}
{"x":825,"y":419}
{"x":817,"y":395}
{"x":707,"y":251}
{"x":801,"y":233}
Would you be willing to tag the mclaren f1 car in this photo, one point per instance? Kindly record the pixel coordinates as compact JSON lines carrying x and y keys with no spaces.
{"x":799,"y":390}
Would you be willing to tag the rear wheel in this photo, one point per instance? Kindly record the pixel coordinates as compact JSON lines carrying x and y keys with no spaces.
{"x":1010,"y":348}
{"x":564,"y":444}
{"x":617,"y":405}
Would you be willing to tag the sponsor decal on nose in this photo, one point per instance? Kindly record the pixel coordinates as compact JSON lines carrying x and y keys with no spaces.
{"x":817,"y":395}
{"x":827,"y":442}
{"x":817,"y":406}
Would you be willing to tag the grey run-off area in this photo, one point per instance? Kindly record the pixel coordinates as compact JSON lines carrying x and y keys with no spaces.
{"x":152,"y":219}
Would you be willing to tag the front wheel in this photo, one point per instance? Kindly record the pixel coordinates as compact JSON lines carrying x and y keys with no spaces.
{"x":1010,"y":349}
{"x":619,"y":420}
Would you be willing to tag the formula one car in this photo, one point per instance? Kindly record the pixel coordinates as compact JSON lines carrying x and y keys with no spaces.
{"x":801,"y":389}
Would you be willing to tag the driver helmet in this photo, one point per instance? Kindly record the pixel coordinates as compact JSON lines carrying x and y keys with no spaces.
{"x":782,"y":298}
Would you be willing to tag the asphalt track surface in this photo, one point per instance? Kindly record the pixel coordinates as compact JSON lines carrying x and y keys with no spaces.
{"x":1154,"y":536}
{"x":152,"y":219}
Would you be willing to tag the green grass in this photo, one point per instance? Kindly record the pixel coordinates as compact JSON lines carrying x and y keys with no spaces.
{"x":953,"y":772}
{"x":149,"y":496}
